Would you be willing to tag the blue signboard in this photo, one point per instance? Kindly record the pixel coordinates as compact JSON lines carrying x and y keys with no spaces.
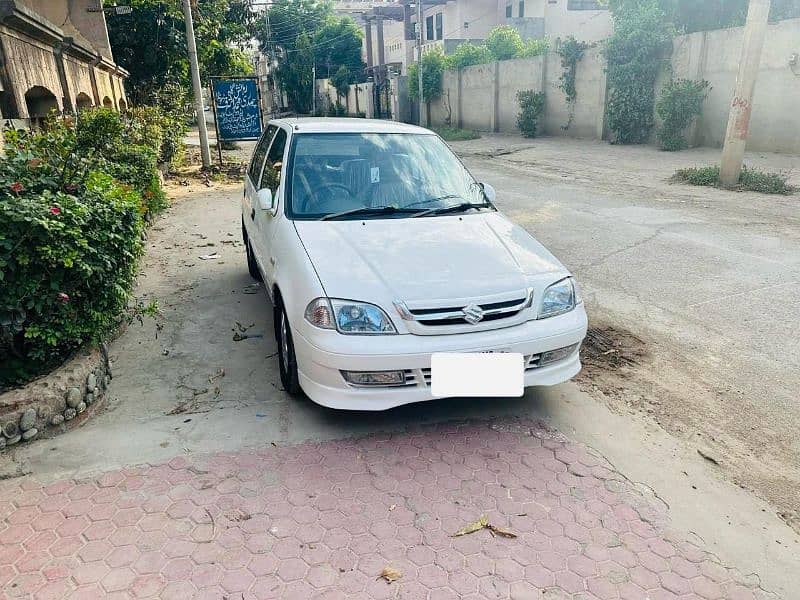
{"x":237,"y":110}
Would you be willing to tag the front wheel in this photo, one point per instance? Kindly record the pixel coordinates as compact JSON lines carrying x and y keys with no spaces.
{"x":287,"y":361}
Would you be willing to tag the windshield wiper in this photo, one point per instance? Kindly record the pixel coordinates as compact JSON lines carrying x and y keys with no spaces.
{"x":455,"y":208}
{"x":439,"y":199}
{"x":369,"y":210}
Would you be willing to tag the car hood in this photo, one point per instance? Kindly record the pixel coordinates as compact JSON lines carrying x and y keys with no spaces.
{"x":424,"y":259}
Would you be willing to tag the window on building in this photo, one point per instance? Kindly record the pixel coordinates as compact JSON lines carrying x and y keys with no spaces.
{"x":521,"y":8}
{"x":439,"y":25}
{"x":509,"y":11}
{"x":585,"y":5}
{"x":429,"y":28}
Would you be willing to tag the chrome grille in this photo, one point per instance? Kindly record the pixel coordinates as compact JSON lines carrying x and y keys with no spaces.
{"x":461,"y":315}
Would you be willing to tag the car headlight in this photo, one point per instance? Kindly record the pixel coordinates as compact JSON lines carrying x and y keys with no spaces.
{"x":349,"y":317}
{"x":559,"y":298}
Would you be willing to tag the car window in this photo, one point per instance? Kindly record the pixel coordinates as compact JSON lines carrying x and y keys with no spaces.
{"x":271,"y":176}
{"x":260,"y":153}
{"x":336,"y":172}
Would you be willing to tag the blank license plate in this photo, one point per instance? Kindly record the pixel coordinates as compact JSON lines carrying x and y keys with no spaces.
{"x":477,"y":375}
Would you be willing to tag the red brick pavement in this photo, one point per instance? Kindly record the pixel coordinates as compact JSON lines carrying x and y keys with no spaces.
{"x":321,"y":520}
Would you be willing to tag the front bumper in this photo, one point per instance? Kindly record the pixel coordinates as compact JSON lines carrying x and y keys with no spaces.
{"x":320,"y":369}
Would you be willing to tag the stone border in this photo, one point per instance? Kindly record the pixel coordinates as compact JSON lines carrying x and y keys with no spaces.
{"x":55,"y":402}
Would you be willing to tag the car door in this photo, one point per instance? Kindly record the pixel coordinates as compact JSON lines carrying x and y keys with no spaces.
{"x":251,"y":181}
{"x":267,"y":221}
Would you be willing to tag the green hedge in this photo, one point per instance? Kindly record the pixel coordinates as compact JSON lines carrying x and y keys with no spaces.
{"x":73,"y":199}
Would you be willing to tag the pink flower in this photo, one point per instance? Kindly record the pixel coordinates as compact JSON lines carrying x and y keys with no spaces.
{"x":62,"y":297}
{"x":17,"y":187}
{"x":54,"y":210}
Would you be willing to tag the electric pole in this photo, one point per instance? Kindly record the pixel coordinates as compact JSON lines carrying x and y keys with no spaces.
{"x":419,"y":62}
{"x":314,"y":89}
{"x":198,"y":90}
{"x":273,"y":61}
{"x":755,"y":31}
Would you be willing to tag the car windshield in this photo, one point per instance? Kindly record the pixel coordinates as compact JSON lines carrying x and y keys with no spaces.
{"x":383,"y":175}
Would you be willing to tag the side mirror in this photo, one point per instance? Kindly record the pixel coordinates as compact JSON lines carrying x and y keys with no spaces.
{"x":265,"y":199}
{"x":489,"y":191}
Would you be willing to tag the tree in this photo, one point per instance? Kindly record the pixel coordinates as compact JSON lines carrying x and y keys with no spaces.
{"x":151,"y":43}
{"x":341,"y":81}
{"x":338,"y":44}
{"x":296,"y":75}
{"x":434,"y":63}
{"x":306,"y":33}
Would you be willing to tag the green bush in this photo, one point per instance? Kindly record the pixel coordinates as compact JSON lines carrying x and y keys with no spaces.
{"x":751,"y":180}
{"x":70,"y":237}
{"x":128,"y":148}
{"x":531,"y":105}
{"x":504,"y":42}
{"x":467,"y":55}
{"x":535,"y":47}
{"x":73,"y":198}
{"x":336,"y":109}
{"x":635,"y":52}
{"x":454,"y":134}
{"x":680,"y":103}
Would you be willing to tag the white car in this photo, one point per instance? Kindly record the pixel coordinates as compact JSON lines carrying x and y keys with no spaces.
{"x":380,"y":252}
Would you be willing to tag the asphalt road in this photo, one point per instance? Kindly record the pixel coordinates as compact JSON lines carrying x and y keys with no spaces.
{"x":707,"y":280}
{"x":676,"y":268}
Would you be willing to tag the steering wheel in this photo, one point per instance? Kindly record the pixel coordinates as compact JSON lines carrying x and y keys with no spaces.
{"x":328,"y":188}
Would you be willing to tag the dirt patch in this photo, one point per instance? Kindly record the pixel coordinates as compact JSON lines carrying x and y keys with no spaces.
{"x":635,"y":374}
{"x":610,"y":357}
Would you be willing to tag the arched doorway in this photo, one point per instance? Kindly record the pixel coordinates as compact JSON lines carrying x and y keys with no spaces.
{"x":107,"y":103}
{"x":83,"y":101}
{"x":123,"y":106}
{"x":40,"y":102}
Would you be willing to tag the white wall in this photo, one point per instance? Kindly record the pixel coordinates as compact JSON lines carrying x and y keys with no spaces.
{"x":714,"y":56}
{"x":585,"y":25}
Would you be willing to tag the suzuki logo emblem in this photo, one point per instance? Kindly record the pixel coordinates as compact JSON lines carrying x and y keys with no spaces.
{"x":473,"y":314}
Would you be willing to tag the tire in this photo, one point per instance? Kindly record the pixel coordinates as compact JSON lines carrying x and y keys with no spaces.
{"x":252,"y":266}
{"x":287,"y":360}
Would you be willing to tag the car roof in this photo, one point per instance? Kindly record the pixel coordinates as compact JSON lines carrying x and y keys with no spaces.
{"x":345,"y":125}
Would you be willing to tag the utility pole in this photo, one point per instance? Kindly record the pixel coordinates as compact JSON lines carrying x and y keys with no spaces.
{"x":198,"y":90}
{"x":742,"y":104}
{"x":314,"y":89}
{"x":419,"y":63}
{"x":272,"y":61}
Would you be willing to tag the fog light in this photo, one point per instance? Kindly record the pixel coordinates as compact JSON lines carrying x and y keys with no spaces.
{"x":374,"y":377}
{"x":557,"y":355}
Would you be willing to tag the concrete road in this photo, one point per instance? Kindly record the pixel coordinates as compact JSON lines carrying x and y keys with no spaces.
{"x":190,"y":388}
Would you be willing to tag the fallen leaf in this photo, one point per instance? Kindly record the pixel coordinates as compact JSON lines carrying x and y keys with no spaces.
{"x":390,"y":574}
{"x":481,"y":523}
{"x":494,"y":530}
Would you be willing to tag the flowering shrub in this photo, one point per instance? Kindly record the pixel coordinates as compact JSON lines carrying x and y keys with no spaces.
{"x":72,"y":205}
{"x":128,"y":147}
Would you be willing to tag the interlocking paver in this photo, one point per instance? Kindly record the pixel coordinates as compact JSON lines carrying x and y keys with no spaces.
{"x":330,"y":516}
